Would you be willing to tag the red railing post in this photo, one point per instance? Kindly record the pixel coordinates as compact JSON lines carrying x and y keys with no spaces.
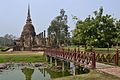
{"x":78,"y":49}
{"x":74,"y":54}
{"x":116,"y":57}
{"x":93,"y":60}
{"x":63,"y":53}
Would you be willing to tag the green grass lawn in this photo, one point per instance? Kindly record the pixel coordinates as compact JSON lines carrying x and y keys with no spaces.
{"x":82,"y":48}
{"x":21,"y":57}
{"x":93,"y":75}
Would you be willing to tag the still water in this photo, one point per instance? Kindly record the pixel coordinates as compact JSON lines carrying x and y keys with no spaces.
{"x":17,"y":72}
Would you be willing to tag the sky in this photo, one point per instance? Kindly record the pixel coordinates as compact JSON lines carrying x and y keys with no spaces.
{"x":13,"y":13}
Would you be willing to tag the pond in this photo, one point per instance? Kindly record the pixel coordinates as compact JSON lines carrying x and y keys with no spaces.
{"x":29,"y":72}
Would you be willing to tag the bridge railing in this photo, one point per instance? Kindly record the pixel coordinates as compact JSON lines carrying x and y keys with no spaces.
{"x":77,"y":57}
{"x":88,"y":59}
{"x":109,"y":58}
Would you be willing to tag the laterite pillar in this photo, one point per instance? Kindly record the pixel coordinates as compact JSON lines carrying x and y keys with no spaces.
{"x":55,"y":62}
{"x":50,"y":60}
{"x":63,"y":66}
{"x":46,"y":58}
{"x":72,"y":68}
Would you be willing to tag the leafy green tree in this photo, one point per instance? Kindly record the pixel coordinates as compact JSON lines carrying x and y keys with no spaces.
{"x":99,"y":30}
{"x":105,"y":28}
{"x":85,"y":32}
{"x":58,"y":30}
{"x":7,"y":40}
{"x":117,"y":37}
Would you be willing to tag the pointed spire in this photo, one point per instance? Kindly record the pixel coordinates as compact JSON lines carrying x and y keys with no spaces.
{"x":28,"y":15}
{"x":28,"y":10}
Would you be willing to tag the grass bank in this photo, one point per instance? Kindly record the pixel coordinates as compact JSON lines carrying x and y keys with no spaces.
{"x":96,"y":49}
{"x":21,"y":57}
{"x":93,"y":75}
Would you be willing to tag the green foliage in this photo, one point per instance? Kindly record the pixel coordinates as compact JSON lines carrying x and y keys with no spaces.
{"x":58,"y":30}
{"x":98,"y":30}
{"x":82,"y":70}
{"x":7,"y":40}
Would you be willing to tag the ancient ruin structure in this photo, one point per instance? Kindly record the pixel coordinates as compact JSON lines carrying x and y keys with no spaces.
{"x":28,"y":38}
{"x":41,"y":39}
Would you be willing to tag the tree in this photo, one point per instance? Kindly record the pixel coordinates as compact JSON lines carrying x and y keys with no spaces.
{"x":58,"y":30}
{"x":85,"y":32}
{"x":117,"y":37}
{"x":105,"y":28}
{"x":7,"y":40}
{"x":99,"y":30}
{"x":10,"y":36}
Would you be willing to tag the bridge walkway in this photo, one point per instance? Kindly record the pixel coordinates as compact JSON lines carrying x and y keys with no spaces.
{"x":109,"y":69}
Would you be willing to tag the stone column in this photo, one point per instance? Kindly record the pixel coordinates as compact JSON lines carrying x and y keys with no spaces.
{"x":50,"y":60}
{"x":55,"y":62}
{"x":63,"y":66}
{"x":46,"y":57}
{"x":44,"y":38}
{"x":72,"y":68}
{"x":44,"y":33}
{"x":68,"y":65}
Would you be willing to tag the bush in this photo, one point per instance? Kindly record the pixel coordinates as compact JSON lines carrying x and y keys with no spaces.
{"x":82,"y":70}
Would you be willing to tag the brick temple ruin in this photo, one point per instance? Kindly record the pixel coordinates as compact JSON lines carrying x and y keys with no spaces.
{"x":29,"y":39}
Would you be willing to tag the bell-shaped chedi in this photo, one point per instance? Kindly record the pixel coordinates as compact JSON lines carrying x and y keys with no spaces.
{"x":28,"y":34}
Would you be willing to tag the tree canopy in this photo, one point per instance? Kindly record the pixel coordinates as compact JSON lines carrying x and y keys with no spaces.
{"x":58,"y":30}
{"x":7,"y":40}
{"x":98,"y":30}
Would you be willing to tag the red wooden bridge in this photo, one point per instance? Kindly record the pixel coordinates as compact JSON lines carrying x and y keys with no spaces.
{"x":78,"y":57}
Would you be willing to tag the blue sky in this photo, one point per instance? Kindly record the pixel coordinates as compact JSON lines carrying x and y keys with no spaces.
{"x":13,"y":13}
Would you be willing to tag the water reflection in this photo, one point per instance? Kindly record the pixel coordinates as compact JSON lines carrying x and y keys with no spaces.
{"x":28,"y":73}
{"x":41,"y":74}
{"x":16,"y":72}
{"x":35,"y":74}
